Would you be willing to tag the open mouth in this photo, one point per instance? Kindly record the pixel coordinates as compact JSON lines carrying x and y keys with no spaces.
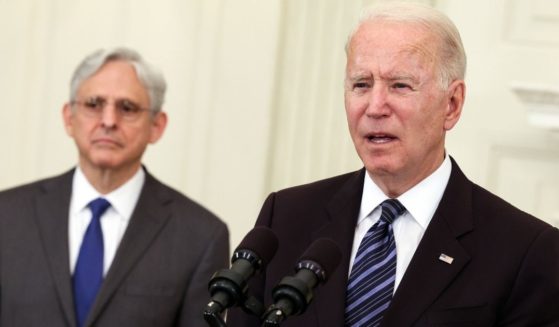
{"x":380,"y":138}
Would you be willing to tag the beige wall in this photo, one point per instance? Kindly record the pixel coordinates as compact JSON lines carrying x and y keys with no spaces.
{"x":255,"y":93}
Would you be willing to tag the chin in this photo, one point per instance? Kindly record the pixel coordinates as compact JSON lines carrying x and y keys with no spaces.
{"x":380,"y":167}
{"x":105,"y":163}
{"x":379,"y":171}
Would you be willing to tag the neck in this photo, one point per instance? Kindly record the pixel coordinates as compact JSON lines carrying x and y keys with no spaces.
{"x":108,"y":180}
{"x":394,"y":185}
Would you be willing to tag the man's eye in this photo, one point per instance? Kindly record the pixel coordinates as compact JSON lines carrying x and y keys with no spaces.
{"x":128,"y":107}
{"x":401,"y":86}
{"x":94,"y":104}
{"x":360,"y":85}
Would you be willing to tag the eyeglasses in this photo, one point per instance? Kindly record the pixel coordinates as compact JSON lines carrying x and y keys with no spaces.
{"x":93,"y":107}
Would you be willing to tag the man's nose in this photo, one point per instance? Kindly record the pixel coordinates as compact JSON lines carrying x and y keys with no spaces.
{"x":378,"y":102}
{"x":109,"y":115}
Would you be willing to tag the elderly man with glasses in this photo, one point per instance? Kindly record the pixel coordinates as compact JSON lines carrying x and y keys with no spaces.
{"x":107,"y":244}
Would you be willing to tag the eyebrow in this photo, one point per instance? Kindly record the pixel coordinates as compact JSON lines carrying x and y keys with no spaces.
{"x":391,"y":78}
{"x":360,"y":76}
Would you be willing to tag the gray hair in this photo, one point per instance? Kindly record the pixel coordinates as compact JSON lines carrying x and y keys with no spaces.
{"x":452,"y":57}
{"x":151,"y":78}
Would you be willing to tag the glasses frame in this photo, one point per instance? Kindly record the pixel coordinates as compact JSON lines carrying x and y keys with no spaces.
{"x":125,"y":109}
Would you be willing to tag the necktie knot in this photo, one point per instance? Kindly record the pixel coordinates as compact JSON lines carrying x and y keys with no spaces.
{"x":391,"y":209}
{"x":98,"y":207}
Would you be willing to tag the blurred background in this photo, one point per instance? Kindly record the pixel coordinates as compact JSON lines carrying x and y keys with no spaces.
{"x":255,"y":97}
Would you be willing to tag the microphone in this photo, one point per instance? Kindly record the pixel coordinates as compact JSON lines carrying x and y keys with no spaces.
{"x":228,"y":287}
{"x":294,"y":293}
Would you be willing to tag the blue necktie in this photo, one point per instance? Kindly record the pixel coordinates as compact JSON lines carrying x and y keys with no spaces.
{"x":88,"y":274}
{"x":371,"y":282}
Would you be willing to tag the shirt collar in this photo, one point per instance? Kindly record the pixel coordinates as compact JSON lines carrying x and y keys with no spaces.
{"x":420,"y":207}
{"x":123,"y":199}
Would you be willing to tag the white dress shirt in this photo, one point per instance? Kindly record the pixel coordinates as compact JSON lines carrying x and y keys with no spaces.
{"x":420,"y":201}
{"x":113,"y":222}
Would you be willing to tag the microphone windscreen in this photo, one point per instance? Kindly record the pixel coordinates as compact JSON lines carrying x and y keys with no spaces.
{"x":262,"y":241}
{"x":325,"y":253}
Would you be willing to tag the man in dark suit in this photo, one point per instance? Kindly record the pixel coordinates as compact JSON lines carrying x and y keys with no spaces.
{"x":421,"y":244}
{"x":107,"y":244}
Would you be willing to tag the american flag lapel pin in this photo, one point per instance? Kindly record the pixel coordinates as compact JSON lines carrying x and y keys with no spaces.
{"x":445,"y":258}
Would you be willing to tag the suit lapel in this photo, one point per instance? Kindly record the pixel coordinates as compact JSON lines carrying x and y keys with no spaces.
{"x":51,"y":213}
{"x":427,"y":276}
{"x":149,"y":217}
{"x":342,"y":212}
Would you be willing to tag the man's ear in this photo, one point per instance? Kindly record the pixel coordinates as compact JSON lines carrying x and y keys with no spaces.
{"x":158,"y":124}
{"x":455,"y":94}
{"x":67,"y":117}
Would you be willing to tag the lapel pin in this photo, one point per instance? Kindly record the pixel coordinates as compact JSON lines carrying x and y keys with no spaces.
{"x":445,"y":258}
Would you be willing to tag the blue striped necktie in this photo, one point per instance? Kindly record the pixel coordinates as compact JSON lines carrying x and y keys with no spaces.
{"x":88,"y":274}
{"x":371,"y":282}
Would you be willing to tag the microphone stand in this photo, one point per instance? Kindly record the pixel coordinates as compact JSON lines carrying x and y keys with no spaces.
{"x":212,"y":313}
{"x":292,"y":295}
{"x":273,"y":317}
{"x":287,"y":299}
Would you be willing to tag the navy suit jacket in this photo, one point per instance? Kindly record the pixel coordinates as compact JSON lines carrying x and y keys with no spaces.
{"x":158,"y":277}
{"x":505,"y":270}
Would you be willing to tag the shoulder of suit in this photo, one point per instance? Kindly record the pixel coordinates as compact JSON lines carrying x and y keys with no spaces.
{"x":64,"y":179}
{"x":490,"y":206}
{"x":326,"y":186}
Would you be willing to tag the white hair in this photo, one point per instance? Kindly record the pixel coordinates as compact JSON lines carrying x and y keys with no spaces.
{"x":149,"y":76}
{"x":451,"y":54}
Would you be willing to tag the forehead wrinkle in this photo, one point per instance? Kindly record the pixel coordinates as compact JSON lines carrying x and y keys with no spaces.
{"x":419,"y":64}
{"x":413,"y":62}
{"x":420,"y":51}
{"x":400,"y":77}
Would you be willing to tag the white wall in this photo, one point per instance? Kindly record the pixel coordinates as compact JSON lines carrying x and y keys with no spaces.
{"x":255,"y":93}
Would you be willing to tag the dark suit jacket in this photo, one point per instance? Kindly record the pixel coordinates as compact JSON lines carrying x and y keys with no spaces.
{"x":158,"y":277}
{"x":505,"y":270}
